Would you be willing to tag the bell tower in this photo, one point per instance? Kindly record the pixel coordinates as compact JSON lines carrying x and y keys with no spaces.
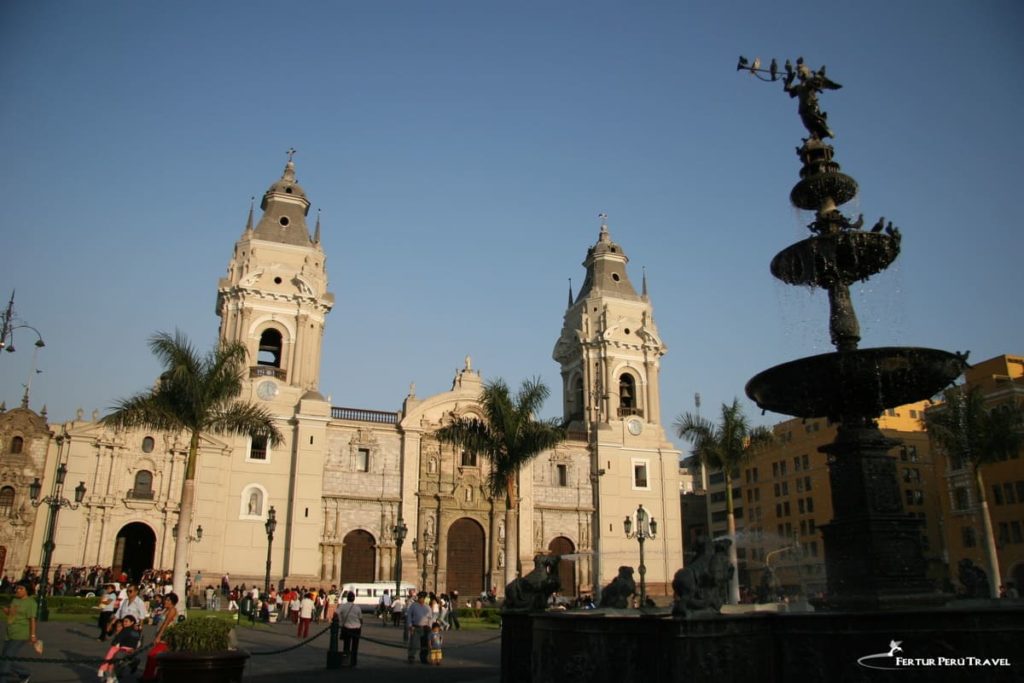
{"x":610,"y":356}
{"x":609,"y":349}
{"x":274,"y":299}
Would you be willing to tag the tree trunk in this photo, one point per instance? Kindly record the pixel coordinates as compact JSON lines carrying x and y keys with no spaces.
{"x":188,"y":494}
{"x":991,"y":554}
{"x":511,"y":531}
{"x":730,"y":518}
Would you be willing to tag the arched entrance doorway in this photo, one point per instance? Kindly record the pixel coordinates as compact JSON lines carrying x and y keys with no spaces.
{"x":465,"y":561}
{"x":358,"y":557}
{"x":133,"y":550}
{"x":566,"y":568}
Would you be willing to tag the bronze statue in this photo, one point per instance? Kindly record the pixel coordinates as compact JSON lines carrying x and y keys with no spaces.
{"x":703,"y":585}
{"x":974,"y":579}
{"x":803,"y":83}
{"x":618,"y":592}
{"x":531,"y":592}
{"x":811,"y":83}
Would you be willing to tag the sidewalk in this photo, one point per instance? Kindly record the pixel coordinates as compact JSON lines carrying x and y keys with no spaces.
{"x":469,"y":656}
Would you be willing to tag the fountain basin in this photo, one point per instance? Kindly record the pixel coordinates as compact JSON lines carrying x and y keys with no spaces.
{"x":842,"y":257}
{"x":863,"y":382}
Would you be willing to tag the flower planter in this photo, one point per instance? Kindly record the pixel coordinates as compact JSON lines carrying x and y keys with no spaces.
{"x":217,"y":667}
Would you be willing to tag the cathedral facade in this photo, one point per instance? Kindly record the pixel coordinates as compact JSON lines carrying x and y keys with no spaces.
{"x":344,"y":477}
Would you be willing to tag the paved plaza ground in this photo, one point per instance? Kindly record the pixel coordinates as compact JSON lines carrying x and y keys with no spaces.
{"x":469,"y":656}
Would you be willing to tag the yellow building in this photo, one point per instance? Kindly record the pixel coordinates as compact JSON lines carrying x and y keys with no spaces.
{"x":1001,"y":380}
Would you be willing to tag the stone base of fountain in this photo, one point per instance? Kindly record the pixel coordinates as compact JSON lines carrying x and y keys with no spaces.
{"x":964,"y":644}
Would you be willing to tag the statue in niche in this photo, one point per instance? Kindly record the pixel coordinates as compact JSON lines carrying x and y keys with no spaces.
{"x":531,"y":592}
{"x":329,"y":522}
{"x":431,"y":466}
{"x":538,"y":535}
{"x":428,"y":528}
{"x":501,"y":530}
{"x":428,"y":557}
{"x":501,"y":558}
{"x":255,"y":504}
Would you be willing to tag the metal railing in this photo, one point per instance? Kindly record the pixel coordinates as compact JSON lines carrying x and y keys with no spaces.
{"x":268,"y":371}
{"x":361,"y":415}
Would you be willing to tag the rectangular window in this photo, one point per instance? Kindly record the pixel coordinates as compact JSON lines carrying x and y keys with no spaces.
{"x":775,"y":470}
{"x":997,"y":494}
{"x":757,"y":495}
{"x":782,"y":468}
{"x":1008,"y":493}
{"x":718,"y":497}
{"x":805,"y":462}
{"x":1020,"y":491}
{"x":810,"y":527}
{"x":969,"y":539}
{"x":810,"y":505}
{"x":913,"y":453}
{"x":803,"y":527}
{"x":778,"y":509}
{"x":785,"y":488}
{"x":468,"y":459}
{"x":363,"y":460}
{"x":909,"y":495}
{"x":717,"y":517}
{"x":799,"y":485}
{"x":800,"y":506}
{"x":1004,"y":533}
{"x":639,"y":474}
{"x":918,"y":497}
{"x":807,"y":483}
{"x":754,"y":474}
{"x":961,"y":501}
{"x":785,"y":508}
{"x":1015,"y":532}
{"x":814,"y":548}
{"x":563,"y":475}
{"x":796,"y":463}
{"x":258,"y":448}
{"x":778,"y":491}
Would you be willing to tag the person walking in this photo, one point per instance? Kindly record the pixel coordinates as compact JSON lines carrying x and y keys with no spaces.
{"x":418,"y":618}
{"x":305,"y":612}
{"x":453,"y":606}
{"x":350,"y":616}
{"x":21,"y":629}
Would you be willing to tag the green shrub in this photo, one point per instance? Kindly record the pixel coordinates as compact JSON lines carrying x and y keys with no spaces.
{"x":199,"y":635}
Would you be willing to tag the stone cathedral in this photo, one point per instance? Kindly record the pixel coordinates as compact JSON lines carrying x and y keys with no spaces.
{"x":345,"y":476}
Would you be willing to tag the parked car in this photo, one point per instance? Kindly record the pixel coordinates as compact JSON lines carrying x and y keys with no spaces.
{"x":96,"y":590}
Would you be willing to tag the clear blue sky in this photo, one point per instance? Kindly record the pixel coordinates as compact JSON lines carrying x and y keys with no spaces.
{"x":460,"y":153}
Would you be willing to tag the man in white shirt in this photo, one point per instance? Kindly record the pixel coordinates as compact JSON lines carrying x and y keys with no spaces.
{"x":134,"y":605}
{"x":350,"y":616}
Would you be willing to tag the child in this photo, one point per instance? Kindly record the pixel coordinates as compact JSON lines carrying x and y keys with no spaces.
{"x":436,"y":641}
{"x":125,"y":640}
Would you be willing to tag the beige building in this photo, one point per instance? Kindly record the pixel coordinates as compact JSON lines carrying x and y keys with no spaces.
{"x":344,"y":476}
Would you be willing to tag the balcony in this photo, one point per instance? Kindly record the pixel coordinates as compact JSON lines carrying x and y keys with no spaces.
{"x":360,"y":415}
{"x":268,"y":371}
{"x":627,"y":412}
{"x":139,"y":494}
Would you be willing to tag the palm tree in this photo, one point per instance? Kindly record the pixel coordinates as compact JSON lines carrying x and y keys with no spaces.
{"x":509,"y":435}
{"x":967,"y":431}
{"x":195,"y":394}
{"x":724,"y":447}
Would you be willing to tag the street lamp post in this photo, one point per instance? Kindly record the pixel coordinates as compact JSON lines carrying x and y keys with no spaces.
{"x":271,"y":525}
{"x":646,"y":527}
{"x":400,"y":530}
{"x":191,"y":539}
{"x":55,"y":501}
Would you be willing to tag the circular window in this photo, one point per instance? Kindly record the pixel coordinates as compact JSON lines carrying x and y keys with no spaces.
{"x":626,"y":330}
{"x":283,"y":220}
{"x":613,"y":250}
{"x":615,"y":276}
{"x":148,"y":444}
{"x":277,"y":280}
{"x":288,"y":190}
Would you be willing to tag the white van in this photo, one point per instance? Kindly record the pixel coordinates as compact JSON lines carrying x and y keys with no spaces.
{"x":368,"y":594}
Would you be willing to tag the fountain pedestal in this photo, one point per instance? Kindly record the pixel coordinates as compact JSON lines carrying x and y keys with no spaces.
{"x":873,"y":552}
